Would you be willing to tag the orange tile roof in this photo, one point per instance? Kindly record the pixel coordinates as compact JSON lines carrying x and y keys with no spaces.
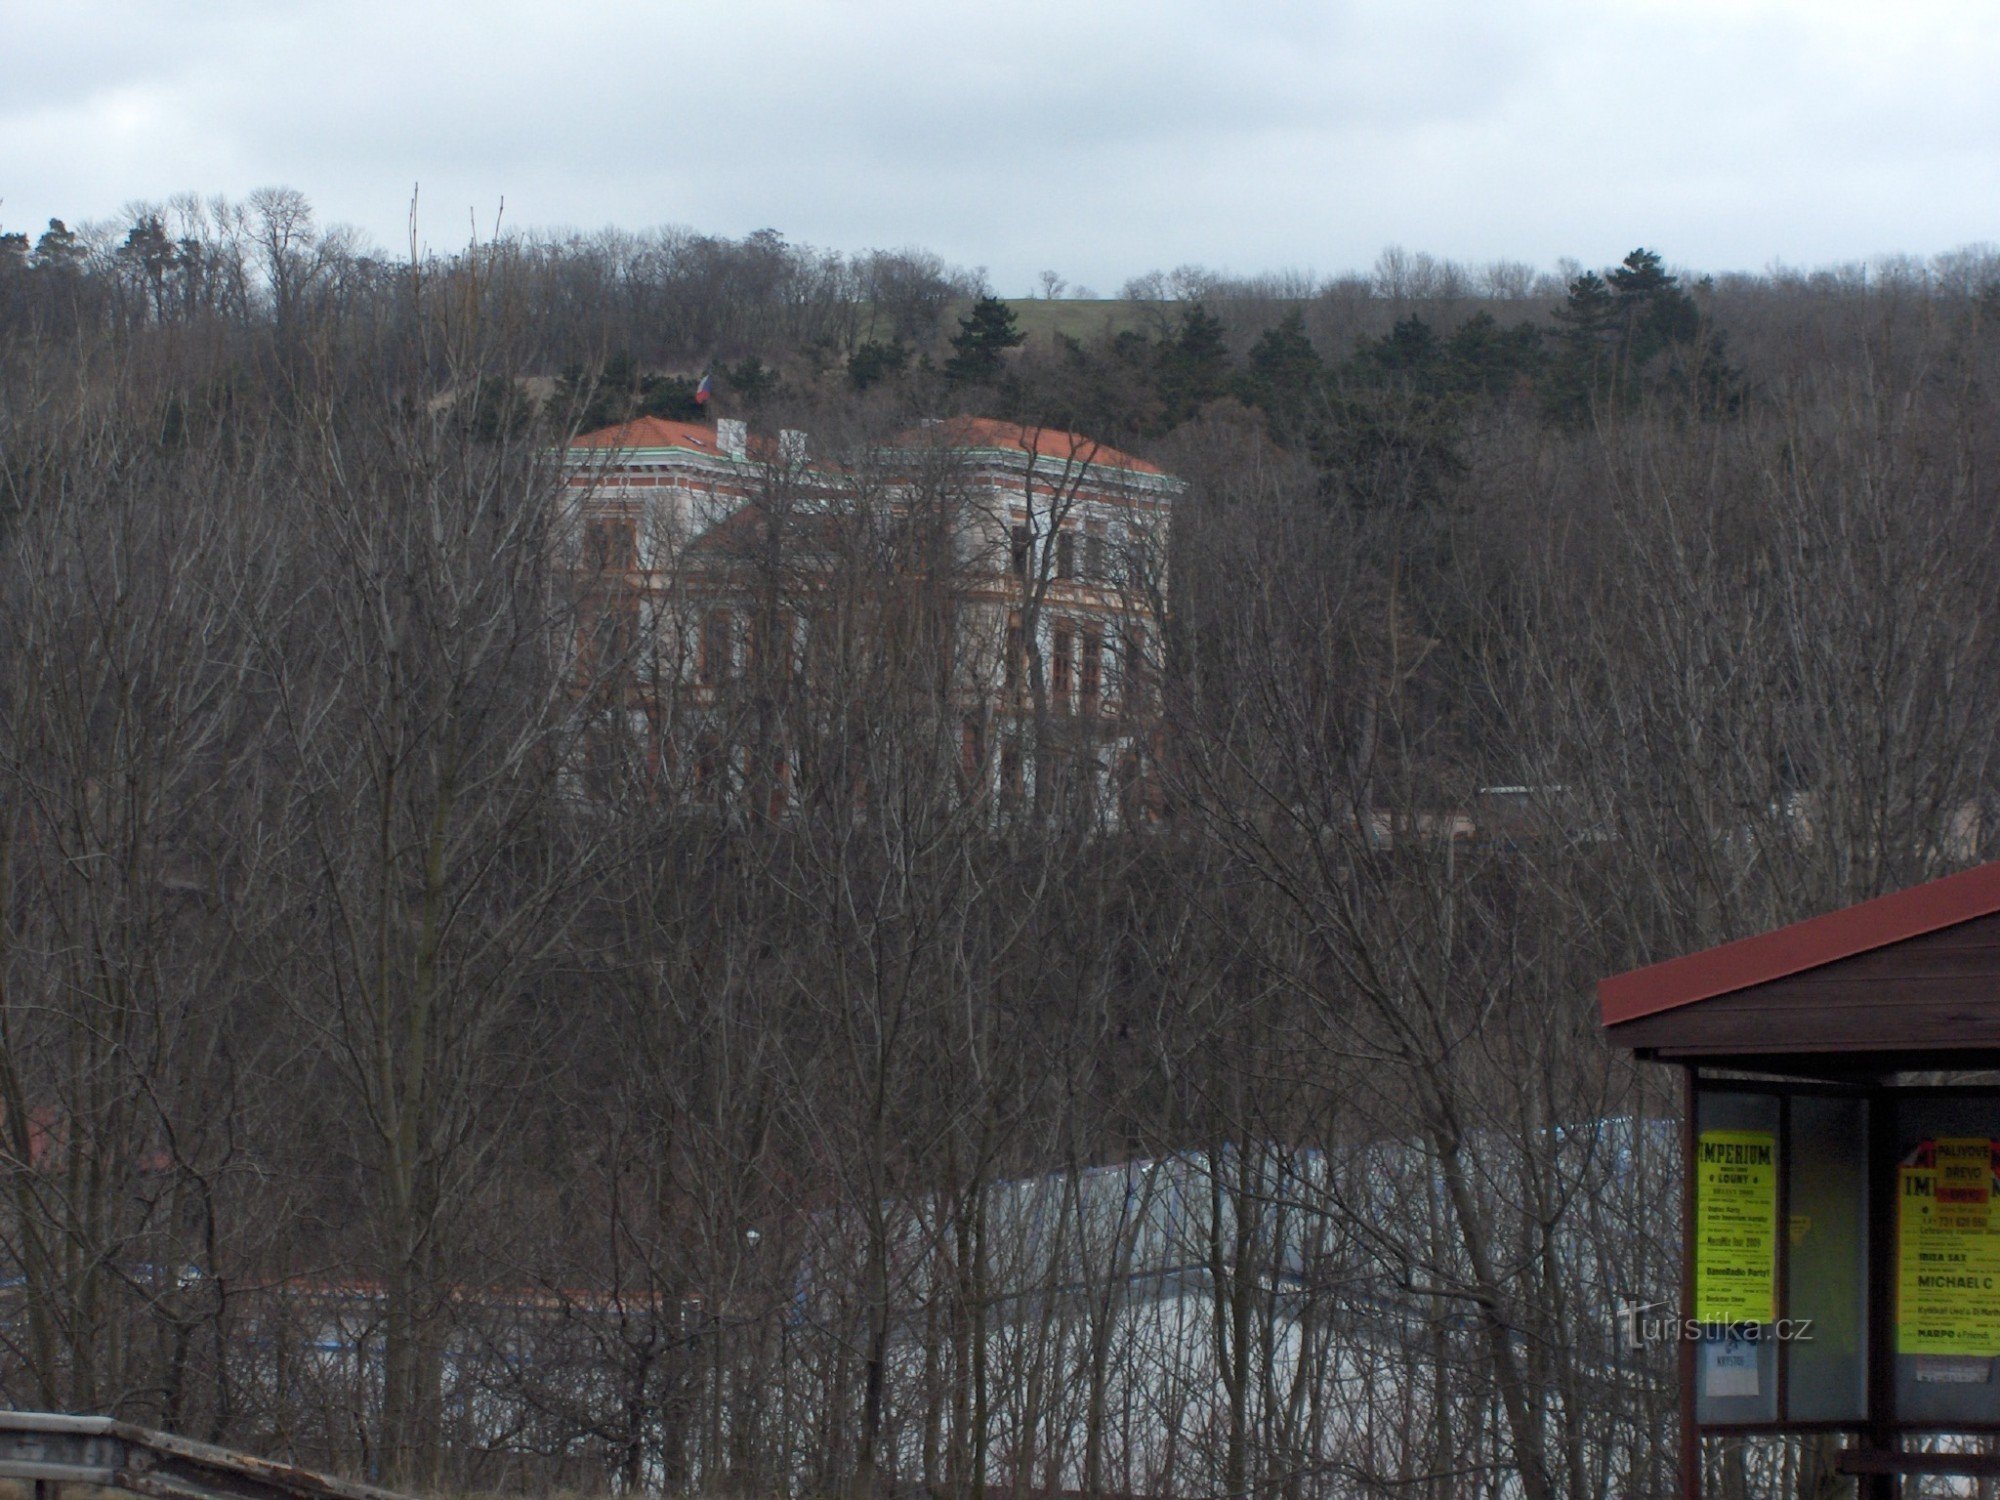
{"x":1050,"y":442}
{"x":958,"y":432}
{"x":651,"y":432}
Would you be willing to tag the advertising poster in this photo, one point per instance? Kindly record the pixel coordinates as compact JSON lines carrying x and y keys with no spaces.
{"x":1736,"y":1226}
{"x":1947,"y":1251}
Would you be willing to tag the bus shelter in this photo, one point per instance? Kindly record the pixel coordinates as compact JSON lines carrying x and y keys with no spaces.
{"x":1841,"y":1190}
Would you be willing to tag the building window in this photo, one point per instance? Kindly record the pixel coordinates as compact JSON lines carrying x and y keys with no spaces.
{"x":1136,"y":799}
{"x":717,"y":647}
{"x":711,"y":766}
{"x":1134,"y":671}
{"x":1055,"y":778}
{"x":1023,"y":543}
{"x":1016,"y":649}
{"x":1011,"y":785}
{"x":1066,"y":554}
{"x":1093,"y":667}
{"x":610,"y":543}
{"x":617,"y":631}
{"x":770,"y":647}
{"x":818,"y":653}
{"x":789,"y":645}
{"x":971,"y":754}
{"x":1062,"y":669}
{"x":778,"y":799}
{"x":1094,"y":564}
{"x":602,"y":763}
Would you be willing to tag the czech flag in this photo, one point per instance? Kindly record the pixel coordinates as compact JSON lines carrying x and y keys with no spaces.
{"x":703,"y":391}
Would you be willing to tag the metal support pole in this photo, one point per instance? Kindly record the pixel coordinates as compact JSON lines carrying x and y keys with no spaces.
{"x":1684,"y":1347}
{"x":1881,"y":1189}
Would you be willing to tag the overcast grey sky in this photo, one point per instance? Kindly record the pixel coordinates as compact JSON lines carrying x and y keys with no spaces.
{"x":1099,"y":138}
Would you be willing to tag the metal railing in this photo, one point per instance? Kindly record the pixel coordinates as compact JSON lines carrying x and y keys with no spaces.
{"x":51,"y":1449}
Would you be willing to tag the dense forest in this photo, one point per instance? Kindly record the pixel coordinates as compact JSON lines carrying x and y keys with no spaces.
{"x":370,"y":1097}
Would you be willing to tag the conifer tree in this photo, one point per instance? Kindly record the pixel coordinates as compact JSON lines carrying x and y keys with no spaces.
{"x":984,"y":334}
{"x":1281,"y":377}
{"x":1194,"y":364}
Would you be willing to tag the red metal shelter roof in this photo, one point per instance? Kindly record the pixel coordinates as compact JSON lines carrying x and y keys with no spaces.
{"x":1804,"y":945}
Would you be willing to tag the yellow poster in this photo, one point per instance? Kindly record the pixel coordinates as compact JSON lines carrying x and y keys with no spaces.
{"x":1948,"y":1251}
{"x":1736,"y":1226}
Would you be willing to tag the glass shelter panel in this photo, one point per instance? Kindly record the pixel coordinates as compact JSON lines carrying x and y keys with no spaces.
{"x":1735,"y":1256}
{"x":1946,"y":1270}
{"x":1826,"y":1259}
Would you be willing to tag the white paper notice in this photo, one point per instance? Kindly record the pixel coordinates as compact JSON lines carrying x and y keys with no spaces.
{"x":1728,"y":1367}
{"x":1953,"y":1369}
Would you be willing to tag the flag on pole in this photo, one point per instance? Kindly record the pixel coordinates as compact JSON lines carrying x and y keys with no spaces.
{"x":703,"y":391}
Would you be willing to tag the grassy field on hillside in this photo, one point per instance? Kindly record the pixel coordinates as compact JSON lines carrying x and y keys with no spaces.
{"x":1039,"y":317}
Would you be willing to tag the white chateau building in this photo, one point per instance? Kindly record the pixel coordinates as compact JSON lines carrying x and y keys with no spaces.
{"x":739,"y":593}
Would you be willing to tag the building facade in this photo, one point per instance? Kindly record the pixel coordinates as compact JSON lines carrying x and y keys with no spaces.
{"x":761,"y":625}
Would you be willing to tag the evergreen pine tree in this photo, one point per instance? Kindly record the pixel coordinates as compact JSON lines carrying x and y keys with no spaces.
{"x":1586,"y":356}
{"x":874,"y":361}
{"x":1631,"y":335}
{"x":1655,"y":313}
{"x":1282,"y":375}
{"x":984,"y":334}
{"x":1485,"y":359}
{"x":1194,"y":364}
{"x":671,"y":397}
{"x":751,"y":379}
{"x":59,"y":249}
{"x":1410,"y":348}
